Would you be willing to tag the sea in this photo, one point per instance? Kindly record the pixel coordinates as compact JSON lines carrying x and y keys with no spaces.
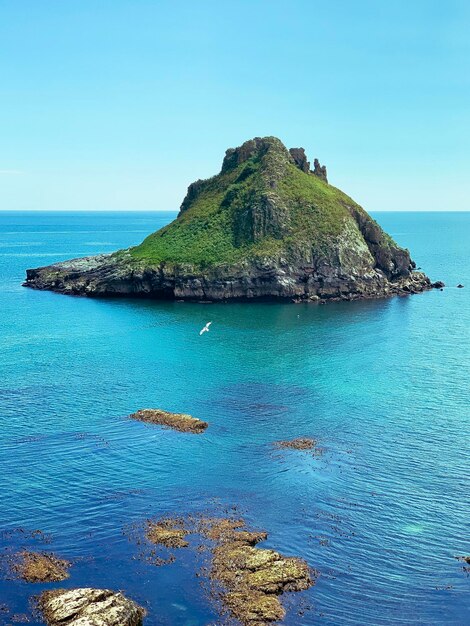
{"x":380,"y":511}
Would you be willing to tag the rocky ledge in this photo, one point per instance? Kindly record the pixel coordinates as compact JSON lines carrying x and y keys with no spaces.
{"x":87,"y":606}
{"x":265,"y":227}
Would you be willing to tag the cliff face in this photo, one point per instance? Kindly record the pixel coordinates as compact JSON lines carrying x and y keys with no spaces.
{"x":266,"y":226}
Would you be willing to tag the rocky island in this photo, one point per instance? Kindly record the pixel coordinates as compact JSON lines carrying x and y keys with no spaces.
{"x":266,"y":227}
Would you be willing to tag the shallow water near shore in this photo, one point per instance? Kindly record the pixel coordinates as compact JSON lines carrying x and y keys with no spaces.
{"x":382,"y":385}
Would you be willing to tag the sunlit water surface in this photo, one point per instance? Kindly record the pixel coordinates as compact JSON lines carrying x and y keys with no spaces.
{"x":383,"y":386}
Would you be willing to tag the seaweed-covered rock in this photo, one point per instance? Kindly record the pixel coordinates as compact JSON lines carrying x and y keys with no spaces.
{"x":247,"y":580}
{"x":254,"y":607}
{"x":265,"y":227}
{"x":178,"y":421}
{"x":168,"y":532}
{"x":300,"y":443}
{"x":252,"y":577}
{"x":40,"y":567}
{"x":281,"y":574}
{"x":464,"y":559}
{"x":89,"y":607}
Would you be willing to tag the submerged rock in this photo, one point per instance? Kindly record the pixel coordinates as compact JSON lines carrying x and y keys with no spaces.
{"x":168,"y":532}
{"x":254,"y":607}
{"x":40,"y":567}
{"x":89,"y":607}
{"x":438,"y":284}
{"x":265,"y":227}
{"x":460,"y":286}
{"x":301,"y":443}
{"x":464,"y":559}
{"x":178,"y":421}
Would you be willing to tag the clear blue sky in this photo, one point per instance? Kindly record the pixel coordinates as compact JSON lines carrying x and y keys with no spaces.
{"x":120,"y":104}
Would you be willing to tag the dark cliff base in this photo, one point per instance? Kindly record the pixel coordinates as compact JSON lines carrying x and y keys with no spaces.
{"x":108,"y":277}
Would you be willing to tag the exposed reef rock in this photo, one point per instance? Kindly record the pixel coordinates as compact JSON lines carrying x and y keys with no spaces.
{"x":40,"y":567}
{"x":464,"y":559}
{"x":247,"y":580}
{"x":265,"y":227}
{"x":168,"y":532}
{"x":301,"y":443}
{"x":89,"y":607}
{"x":252,"y":577}
{"x":178,"y":421}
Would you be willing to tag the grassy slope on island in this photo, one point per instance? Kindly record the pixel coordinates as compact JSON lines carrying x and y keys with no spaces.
{"x":262,"y":205}
{"x":205,"y":235}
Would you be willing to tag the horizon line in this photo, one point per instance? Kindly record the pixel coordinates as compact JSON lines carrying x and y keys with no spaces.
{"x":177,"y":211}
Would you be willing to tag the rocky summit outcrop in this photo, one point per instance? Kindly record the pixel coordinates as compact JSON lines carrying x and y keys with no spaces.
{"x":265,"y":227}
{"x":89,"y":607}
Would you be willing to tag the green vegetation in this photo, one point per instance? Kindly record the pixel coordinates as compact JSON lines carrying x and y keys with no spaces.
{"x":261,"y":206}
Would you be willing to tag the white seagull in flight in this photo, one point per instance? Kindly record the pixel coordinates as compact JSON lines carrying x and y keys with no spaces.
{"x":205,"y":329}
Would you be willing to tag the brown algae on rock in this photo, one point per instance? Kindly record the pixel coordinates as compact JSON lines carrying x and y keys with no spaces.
{"x":168,"y":532}
{"x":251,"y":578}
{"x":178,"y":421}
{"x":463,"y":559}
{"x":254,"y":607}
{"x":40,"y":567}
{"x":245,"y":579}
{"x":89,"y":607}
{"x":300,"y":443}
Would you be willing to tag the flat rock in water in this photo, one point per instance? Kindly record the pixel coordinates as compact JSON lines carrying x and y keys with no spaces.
{"x":89,"y":607}
{"x":178,"y":421}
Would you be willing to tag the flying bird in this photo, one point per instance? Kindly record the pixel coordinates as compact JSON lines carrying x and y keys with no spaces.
{"x":205,"y":329}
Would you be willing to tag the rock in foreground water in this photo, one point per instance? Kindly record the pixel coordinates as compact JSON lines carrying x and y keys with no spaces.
{"x":253,"y":577}
{"x":245,"y":580}
{"x":168,"y":532}
{"x":178,"y":421}
{"x":89,"y":607}
{"x":40,"y":567}
{"x":464,"y":559}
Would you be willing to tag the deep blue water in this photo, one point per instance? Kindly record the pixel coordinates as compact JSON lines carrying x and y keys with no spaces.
{"x":384,"y":386}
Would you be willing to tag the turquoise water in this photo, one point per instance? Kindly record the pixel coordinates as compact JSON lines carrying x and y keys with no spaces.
{"x":383,"y":385}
